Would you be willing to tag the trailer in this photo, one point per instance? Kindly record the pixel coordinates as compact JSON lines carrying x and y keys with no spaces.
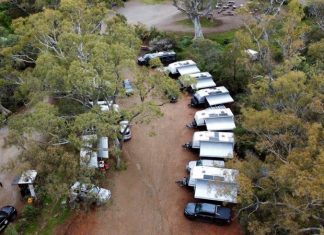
{"x":213,"y":144}
{"x":212,"y":183}
{"x":180,"y":68}
{"x":216,"y":118}
{"x":25,"y":183}
{"x":88,"y":157}
{"x":204,"y":162}
{"x":200,"y":81}
{"x":211,"y":97}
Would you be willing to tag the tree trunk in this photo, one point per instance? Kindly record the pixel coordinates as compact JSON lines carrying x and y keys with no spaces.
{"x":4,"y":111}
{"x":198,"y":29}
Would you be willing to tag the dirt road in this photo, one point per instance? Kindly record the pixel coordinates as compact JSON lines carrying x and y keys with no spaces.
{"x":146,"y":200}
{"x":9,"y":195}
{"x":164,"y":17}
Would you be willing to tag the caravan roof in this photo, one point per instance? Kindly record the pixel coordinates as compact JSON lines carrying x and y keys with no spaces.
{"x":216,"y":150}
{"x":214,"y":137}
{"x":202,"y":75}
{"x":183,"y":67}
{"x":27,"y":177}
{"x":213,"y":173}
{"x":87,"y":156}
{"x":215,"y":119}
{"x":217,"y":99}
{"x":220,"y":123}
{"x":203,"y":83}
{"x":209,"y":91}
{"x":214,"y":183}
{"x":216,"y":191}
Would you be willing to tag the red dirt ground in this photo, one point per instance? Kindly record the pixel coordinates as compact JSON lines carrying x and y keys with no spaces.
{"x":146,"y":199}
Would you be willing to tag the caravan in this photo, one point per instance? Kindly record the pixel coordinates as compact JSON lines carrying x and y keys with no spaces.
{"x":180,"y":68}
{"x":212,"y":183}
{"x":211,"y":97}
{"x":212,"y":144}
{"x":216,"y":118}
{"x":201,"y":80}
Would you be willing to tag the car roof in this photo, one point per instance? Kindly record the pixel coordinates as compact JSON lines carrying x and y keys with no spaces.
{"x":206,"y":207}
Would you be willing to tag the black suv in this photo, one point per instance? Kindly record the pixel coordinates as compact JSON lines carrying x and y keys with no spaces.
{"x":7,"y":214}
{"x":166,"y":58}
{"x":208,"y":212}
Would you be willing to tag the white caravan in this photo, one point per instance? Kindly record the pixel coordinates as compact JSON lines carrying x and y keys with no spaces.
{"x":212,"y":183}
{"x":215,"y":119}
{"x":180,"y":68}
{"x":213,"y":144}
{"x":202,"y":80}
{"x":211,"y":97}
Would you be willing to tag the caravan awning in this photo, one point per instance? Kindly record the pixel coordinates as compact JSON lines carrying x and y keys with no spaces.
{"x":216,"y":191}
{"x":220,"y":124}
{"x":219,"y":99}
{"x":216,"y":150}
{"x":188,"y":70}
{"x":204,"y":83}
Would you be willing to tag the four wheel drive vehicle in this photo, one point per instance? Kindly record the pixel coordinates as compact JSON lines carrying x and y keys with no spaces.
{"x":94,"y":194}
{"x":166,"y":57}
{"x":128,"y":87}
{"x":208,"y":212}
{"x":126,"y":134}
{"x":7,"y":214}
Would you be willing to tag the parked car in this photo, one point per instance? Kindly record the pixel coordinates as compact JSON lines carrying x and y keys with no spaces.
{"x":7,"y":215}
{"x":128,"y":87}
{"x":208,"y":212}
{"x":81,"y":192}
{"x":166,"y":57}
{"x":127,"y":134}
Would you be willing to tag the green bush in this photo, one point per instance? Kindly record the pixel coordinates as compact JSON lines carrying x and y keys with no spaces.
{"x":30,"y":213}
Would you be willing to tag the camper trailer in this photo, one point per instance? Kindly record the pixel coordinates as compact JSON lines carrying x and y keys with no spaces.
{"x":214,"y":118}
{"x":25,"y":183}
{"x":211,"y":97}
{"x":166,"y":58}
{"x":180,"y":68}
{"x":204,"y":162}
{"x":204,"y":80}
{"x":212,"y":144}
{"x":89,"y":157}
{"x":212,"y":183}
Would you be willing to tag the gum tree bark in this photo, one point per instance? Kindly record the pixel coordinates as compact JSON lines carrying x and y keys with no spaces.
{"x":195,"y":9}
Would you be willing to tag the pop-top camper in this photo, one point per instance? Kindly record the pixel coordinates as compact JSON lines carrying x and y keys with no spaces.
{"x":213,"y":144}
{"x":214,"y":118}
{"x":211,"y":97}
